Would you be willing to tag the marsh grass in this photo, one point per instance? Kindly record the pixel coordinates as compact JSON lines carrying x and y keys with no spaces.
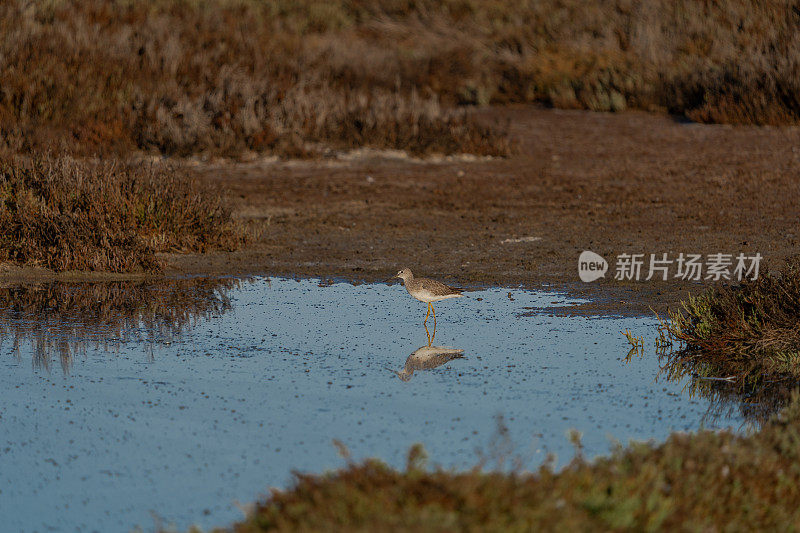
{"x":230,"y":76}
{"x":225,"y":77}
{"x":702,"y":481}
{"x":65,"y":214}
{"x":61,"y":320}
{"x":747,"y":333}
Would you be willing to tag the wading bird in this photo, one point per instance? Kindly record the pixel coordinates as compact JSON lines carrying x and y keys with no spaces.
{"x":427,"y":290}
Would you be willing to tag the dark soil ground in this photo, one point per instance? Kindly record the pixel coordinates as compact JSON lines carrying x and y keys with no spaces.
{"x":610,"y":183}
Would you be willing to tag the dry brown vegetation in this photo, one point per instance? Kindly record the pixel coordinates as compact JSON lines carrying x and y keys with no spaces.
{"x":62,"y":319}
{"x":748,"y":333}
{"x":187,"y":76}
{"x":708,"y":481}
{"x":70,"y":215}
{"x":182,"y":77}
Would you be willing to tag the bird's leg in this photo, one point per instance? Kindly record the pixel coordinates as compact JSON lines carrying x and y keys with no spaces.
{"x":428,"y":333}
{"x":434,"y":317}
{"x":426,"y":316}
{"x":433,"y":337}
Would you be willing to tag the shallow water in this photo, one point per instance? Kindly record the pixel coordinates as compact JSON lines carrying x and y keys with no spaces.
{"x":177,"y":400}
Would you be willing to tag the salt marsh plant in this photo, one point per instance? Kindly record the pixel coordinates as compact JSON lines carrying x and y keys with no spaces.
{"x":748,"y":333}
{"x":65,"y":214}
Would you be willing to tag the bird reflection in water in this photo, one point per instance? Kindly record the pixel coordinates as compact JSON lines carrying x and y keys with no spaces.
{"x":428,"y":357}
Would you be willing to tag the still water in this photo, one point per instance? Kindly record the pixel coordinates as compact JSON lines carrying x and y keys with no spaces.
{"x":126,"y":404}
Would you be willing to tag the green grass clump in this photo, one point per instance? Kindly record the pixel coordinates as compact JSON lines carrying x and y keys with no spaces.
{"x":64,"y":214}
{"x":707,"y":481}
{"x":749,"y":332}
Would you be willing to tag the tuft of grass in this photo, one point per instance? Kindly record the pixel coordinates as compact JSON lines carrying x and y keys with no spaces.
{"x":748,"y":333}
{"x":64,"y":214}
{"x":637,"y":345}
{"x":703,"y":481}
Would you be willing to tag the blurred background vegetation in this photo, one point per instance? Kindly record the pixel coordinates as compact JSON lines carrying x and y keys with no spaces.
{"x":226,"y":76}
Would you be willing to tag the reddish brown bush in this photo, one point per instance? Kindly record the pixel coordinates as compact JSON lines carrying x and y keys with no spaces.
{"x":69,"y":215}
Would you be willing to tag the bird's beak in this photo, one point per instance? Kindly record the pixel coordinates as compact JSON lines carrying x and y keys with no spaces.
{"x":387,"y":280}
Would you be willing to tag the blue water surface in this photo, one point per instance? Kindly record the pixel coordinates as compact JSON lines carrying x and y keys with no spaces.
{"x":191,"y":427}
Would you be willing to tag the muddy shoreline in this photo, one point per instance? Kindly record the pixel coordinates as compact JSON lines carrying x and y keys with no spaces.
{"x":611,"y":183}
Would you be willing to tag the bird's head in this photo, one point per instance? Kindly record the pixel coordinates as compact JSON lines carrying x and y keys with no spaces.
{"x":404,"y":274}
{"x":404,"y":375}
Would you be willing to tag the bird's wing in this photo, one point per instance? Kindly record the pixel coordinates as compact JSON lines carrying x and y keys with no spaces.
{"x":438,"y":288}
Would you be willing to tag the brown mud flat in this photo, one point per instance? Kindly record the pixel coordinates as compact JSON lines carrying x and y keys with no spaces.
{"x":611,"y":183}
